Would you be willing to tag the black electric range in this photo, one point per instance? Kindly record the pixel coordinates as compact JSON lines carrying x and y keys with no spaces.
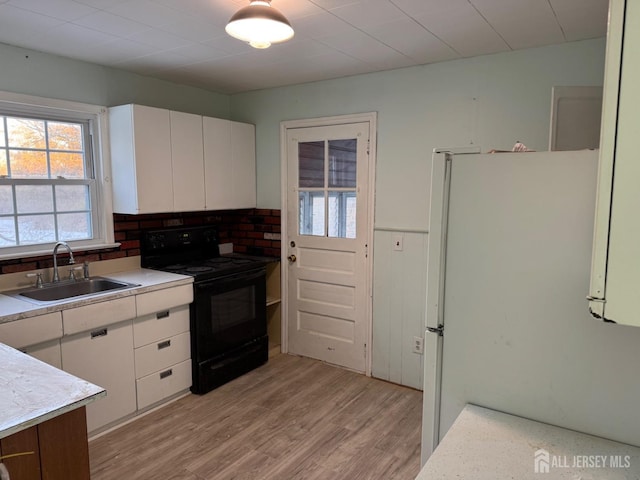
{"x":228,"y":314}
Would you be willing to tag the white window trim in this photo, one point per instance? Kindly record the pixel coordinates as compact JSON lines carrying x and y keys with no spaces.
{"x":102,"y":164}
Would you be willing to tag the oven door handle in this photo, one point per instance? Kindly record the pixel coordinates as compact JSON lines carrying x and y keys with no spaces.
{"x":244,"y":276}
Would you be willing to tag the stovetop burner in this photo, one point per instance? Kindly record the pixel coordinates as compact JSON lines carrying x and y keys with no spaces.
{"x":191,"y":251}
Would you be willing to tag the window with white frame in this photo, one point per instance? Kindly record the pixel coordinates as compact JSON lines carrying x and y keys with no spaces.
{"x":50,"y":178}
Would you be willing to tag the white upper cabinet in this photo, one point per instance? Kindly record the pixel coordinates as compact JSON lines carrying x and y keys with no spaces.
{"x":229,"y":164}
{"x":166,"y":161}
{"x":141,"y":159}
{"x":615,"y":272}
{"x":187,"y":161}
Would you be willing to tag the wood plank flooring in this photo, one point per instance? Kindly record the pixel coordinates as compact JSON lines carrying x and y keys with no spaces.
{"x":293,"y":418}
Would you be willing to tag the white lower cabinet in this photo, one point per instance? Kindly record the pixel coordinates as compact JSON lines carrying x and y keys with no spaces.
{"x":37,"y":336}
{"x":162,"y":355}
{"x":138,"y":348}
{"x":104,"y":356}
{"x":47,"y":352}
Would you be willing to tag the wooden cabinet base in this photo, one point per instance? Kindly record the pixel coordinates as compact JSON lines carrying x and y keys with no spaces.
{"x":59,"y":446}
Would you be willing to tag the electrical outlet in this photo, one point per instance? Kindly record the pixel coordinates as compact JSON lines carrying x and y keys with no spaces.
{"x":398,"y":241}
{"x":418,"y":345}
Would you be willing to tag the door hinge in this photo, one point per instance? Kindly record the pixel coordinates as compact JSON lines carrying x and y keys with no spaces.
{"x":365,"y":350}
{"x":368,"y":145}
{"x":439,"y":330}
{"x":366,"y":250}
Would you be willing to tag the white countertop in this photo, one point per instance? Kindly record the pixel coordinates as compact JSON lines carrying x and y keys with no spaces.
{"x":12,"y":309}
{"x":32,"y":392}
{"x":485,"y":444}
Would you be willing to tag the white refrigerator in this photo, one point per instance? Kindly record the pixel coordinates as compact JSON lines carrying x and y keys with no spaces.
{"x":507,"y":320}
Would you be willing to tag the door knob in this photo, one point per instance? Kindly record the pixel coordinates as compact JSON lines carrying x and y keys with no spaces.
{"x":292,"y":258}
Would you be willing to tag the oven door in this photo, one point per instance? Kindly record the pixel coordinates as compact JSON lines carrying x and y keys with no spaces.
{"x":228,"y":313}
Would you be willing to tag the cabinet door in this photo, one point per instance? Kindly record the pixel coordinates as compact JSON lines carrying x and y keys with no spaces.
{"x":141,"y":159}
{"x":615,"y":275}
{"x":218,"y":163}
{"x":243,"y":148}
{"x":48,"y":352}
{"x":187,"y":159}
{"x":104,"y":357}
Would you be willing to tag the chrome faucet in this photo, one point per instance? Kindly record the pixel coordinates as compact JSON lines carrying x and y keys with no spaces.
{"x":56,"y":277}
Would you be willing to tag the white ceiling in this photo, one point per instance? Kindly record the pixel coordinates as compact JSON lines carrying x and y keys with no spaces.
{"x":184,"y":40}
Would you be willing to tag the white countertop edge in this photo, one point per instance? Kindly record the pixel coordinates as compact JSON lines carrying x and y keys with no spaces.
{"x":485,"y":444}
{"x":12,"y":309}
{"x":32,"y":392}
{"x":48,"y":415}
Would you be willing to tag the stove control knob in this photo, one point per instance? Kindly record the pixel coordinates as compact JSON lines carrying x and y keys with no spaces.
{"x":292,"y":258}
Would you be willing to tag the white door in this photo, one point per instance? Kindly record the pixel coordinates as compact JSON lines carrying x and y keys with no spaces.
{"x":328,"y":233}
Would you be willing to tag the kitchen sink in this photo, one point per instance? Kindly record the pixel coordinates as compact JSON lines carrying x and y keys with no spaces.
{"x":54,"y":292}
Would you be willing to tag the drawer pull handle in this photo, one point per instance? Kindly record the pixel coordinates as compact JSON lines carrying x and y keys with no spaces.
{"x":166,"y":373}
{"x":165,"y":344}
{"x":164,"y":314}
{"x":99,"y":333}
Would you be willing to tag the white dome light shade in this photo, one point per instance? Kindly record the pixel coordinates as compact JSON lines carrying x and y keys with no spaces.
{"x":259,"y":24}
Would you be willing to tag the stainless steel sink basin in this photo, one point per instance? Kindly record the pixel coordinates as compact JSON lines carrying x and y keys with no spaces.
{"x":54,"y":292}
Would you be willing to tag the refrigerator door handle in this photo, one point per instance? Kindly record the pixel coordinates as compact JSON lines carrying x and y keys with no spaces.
{"x":439,"y":330}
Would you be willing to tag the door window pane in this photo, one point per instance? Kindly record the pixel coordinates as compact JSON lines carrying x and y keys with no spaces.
{"x":342,"y":163}
{"x":312,"y":213}
{"x":342,"y":214}
{"x":311,"y":164}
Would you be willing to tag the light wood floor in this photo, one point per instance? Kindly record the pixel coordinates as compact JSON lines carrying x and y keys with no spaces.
{"x":293,"y":418}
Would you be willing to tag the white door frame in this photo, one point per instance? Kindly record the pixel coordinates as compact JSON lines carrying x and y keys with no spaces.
{"x":371,"y":118}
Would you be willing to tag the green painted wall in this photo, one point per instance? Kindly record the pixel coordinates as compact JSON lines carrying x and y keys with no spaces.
{"x":34,"y":73}
{"x":491,"y":101}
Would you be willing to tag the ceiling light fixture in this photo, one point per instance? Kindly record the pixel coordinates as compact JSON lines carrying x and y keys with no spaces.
{"x":260,"y":25}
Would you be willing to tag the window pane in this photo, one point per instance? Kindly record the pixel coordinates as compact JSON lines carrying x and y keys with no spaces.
{"x":26,"y":133}
{"x":342,"y":163}
{"x":28,"y":164}
{"x":7,"y":232}
{"x":65,"y":136}
{"x":6,"y":200}
{"x":311,"y":164}
{"x":312,"y":213}
{"x":71,"y":198}
{"x":74,"y":226}
{"x":342,"y":214}
{"x":3,"y":162}
{"x":34,"y":198}
{"x":67,"y":165}
{"x":36,"y":229}
{"x":2,"y":142}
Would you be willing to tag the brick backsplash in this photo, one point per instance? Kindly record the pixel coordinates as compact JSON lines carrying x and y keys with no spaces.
{"x":252,"y":231}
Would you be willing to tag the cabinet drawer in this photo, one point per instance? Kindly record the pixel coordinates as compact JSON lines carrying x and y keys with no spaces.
{"x":152,"y":302}
{"x":31,"y":331}
{"x":95,"y":315}
{"x":162,"y":354}
{"x":159,"y":325}
{"x":163,"y":384}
